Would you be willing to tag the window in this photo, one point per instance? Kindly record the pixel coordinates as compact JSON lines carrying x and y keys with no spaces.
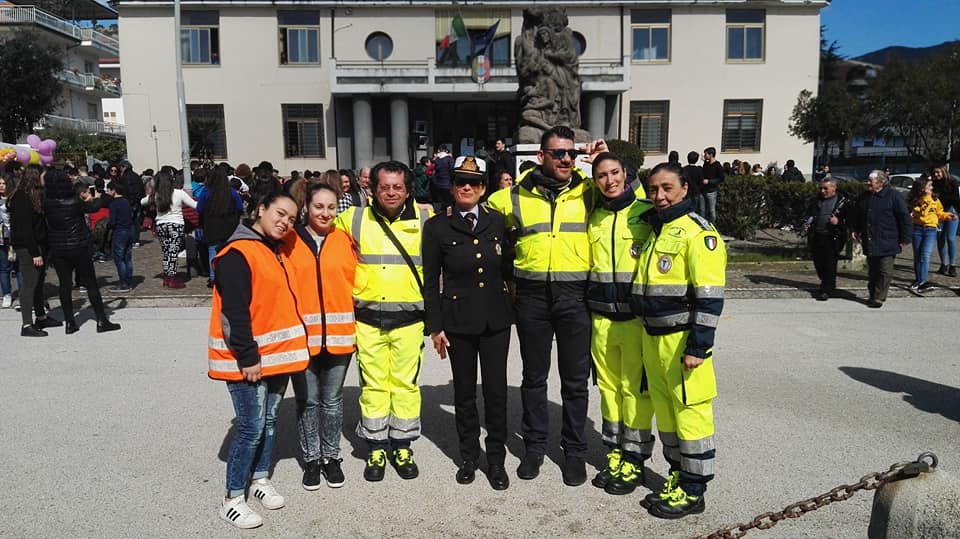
{"x":206,"y":131}
{"x":580,"y":43}
{"x":379,"y":46}
{"x":741,"y":125}
{"x":93,"y":111}
{"x":200,"y":37}
{"x":651,"y":35}
{"x":478,"y":25}
{"x":303,"y":130}
{"x":649,"y":121}
{"x":87,"y":66}
{"x":745,"y":29}
{"x":299,"y":37}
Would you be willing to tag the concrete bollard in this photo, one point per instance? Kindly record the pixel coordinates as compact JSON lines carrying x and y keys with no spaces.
{"x":925,"y":506}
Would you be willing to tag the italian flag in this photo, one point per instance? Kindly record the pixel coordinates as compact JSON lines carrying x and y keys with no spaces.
{"x":457,"y":31}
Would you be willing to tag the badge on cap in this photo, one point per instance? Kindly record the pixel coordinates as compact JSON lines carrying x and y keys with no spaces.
{"x":664,"y":264}
{"x":710,"y":242}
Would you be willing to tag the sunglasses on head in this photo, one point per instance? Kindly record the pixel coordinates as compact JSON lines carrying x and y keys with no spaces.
{"x":560,"y":152}
{"x":460,"y":181}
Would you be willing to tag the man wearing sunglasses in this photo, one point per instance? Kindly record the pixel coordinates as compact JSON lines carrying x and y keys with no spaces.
{"x":546,"y":213}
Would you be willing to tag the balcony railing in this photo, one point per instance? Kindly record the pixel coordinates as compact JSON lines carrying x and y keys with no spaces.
{"x":87,"y":37}
{"x":90,"y":83}
{"x":94,"y":127}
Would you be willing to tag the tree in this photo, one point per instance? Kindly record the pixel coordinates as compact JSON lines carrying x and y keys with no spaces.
{"x":834,"y":113}
{"x":921,"y":102}
{"x":28,"y":84}
{"x":71,"y":142}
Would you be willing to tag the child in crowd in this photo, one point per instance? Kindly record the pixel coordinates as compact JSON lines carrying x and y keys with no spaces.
{"x":121,"y":224}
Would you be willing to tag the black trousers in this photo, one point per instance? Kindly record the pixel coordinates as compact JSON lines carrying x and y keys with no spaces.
{"x":31,"y":295}
{"x":879,"y":275}
{"x":539,"y":318}
{"x":492,"y":348}
{"x":79,"y":260}
{"x":825,"y":261}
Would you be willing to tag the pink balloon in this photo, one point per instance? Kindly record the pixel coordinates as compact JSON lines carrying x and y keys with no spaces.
{"x":33,"y":141}
{"x":23,"y":155}
{"x":48,"y":146}
{"x":46,"y":159}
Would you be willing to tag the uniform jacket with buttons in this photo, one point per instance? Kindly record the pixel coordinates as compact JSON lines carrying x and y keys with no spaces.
{"x":464,"y":271}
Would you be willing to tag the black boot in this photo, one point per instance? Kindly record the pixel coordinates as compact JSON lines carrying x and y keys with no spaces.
{"x":106,"y":325}
{"x":71,"y":327}
{"x":32,"y":331}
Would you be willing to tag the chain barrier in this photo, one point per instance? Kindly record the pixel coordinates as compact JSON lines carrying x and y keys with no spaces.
{"x":872,"y":481}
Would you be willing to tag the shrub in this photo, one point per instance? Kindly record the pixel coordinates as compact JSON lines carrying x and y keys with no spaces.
{"x":740,"y":205}
{"x":631,"y":154}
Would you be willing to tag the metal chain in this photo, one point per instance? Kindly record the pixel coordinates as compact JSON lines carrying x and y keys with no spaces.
{"x":872,"y":481}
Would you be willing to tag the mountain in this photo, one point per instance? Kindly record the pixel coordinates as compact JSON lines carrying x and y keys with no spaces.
{"x":908,"y":54}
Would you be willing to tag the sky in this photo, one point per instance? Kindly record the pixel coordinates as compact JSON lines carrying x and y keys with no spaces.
{"x":862,"y":26}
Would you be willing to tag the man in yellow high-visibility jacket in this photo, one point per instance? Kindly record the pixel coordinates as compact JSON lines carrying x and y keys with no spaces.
{"x":547,"y":211}
{"x":388,"y":301}
{"x":678,"y":294}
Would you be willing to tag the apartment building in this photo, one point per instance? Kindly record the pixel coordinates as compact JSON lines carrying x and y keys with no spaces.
{"x":67,"y":26}
{"x":312,"y":84}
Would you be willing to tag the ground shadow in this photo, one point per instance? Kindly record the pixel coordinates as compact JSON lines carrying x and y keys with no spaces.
{"x":779,"y":281}
{"x":923,"y":395}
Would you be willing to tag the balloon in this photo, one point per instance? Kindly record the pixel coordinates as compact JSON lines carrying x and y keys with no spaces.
{"x":23,"y":155}
{"x":33,"y":141}
{"x":47,"y":146}
{"x":34,"y":157}
{"x":46,"y":159}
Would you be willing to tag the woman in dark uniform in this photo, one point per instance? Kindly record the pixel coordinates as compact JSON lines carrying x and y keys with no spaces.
{"x":471,"y":315}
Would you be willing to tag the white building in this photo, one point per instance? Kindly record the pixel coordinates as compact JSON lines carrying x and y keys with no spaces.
{"x":312,"y":84}
{"x":84,"y":86}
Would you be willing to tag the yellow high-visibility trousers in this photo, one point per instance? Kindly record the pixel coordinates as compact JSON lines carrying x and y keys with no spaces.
{"x":683,"y":403}
{"x":389,"y":363}
{"x":625,"y":406}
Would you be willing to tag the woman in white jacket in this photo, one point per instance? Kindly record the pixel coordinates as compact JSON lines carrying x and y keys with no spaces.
{"x":169,"y":223}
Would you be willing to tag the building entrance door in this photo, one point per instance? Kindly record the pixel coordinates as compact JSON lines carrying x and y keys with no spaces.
{"x":465,"y":126}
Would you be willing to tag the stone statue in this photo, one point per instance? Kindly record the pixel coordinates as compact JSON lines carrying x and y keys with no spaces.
{"x":549,"y":92}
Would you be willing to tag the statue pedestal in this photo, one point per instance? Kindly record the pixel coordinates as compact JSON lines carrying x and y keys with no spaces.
{"x":528,"y":152}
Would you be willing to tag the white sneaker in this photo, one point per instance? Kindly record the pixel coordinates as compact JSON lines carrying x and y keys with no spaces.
{"x":7,"y":301}
{"x":237,"y":512}
{"x":262,"y":490}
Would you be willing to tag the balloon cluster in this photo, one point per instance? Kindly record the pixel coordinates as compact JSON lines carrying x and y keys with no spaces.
{"x":36,"y":152}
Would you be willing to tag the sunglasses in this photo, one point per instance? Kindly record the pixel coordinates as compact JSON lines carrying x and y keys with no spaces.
{"x":460,"y":181}
{"x":560,"y":152}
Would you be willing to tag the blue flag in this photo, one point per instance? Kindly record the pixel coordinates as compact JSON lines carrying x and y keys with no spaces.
{"x":481,"y":43}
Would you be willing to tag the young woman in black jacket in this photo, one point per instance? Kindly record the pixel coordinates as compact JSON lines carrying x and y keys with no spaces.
{"x":28,"y":236}
{"x":71,"y":242}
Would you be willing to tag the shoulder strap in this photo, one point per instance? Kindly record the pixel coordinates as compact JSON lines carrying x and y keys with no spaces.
{"x":396,"y":243}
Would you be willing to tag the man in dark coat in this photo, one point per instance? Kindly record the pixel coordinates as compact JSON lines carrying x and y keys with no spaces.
{"x":133,"y":191}
{"x":826,"y":231}
{"x":882,"y":222}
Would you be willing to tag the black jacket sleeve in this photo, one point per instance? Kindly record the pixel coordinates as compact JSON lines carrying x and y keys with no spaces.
{"x":235,"y":285}
{"x":432,"y":260}
{"x":21,"y":224}
{"x":904,"y":221}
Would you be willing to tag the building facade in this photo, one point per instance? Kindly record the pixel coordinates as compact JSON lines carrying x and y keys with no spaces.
{"x":66,"y":26}
{"x":334,"y":84}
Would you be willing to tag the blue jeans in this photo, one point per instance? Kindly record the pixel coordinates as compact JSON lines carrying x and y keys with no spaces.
{"x":212,"y":251}
{"x":6,"y":266}
{"x":924,"y":238}
{"x":319,"y":393}
{"x":947,"y":240}
{"x":122,"y":245}
{"x":710,"y":206}
{"x":251,"y":449}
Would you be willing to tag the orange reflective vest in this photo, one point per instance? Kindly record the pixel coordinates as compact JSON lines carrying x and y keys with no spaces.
{"x":324,"y":289}
{"x":274,"y":318}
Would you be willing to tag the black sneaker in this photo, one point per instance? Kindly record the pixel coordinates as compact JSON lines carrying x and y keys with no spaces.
{"x":914,"y":286}
{"x":924,"y":286}
{"x":614,"y":457}
{"x":47,"y":322}
{"x":106,"y":325}
{"x":312,"y":476}
{"x":530,"y":466}
{"x":678,"y":504}
{"x":574,"y":471}
{"x":952,"y":272}
{"x":625,"y":481}
{"x":32,"y":331}
{"x":402,"y":459}
{"x":332,"y":472}
{"x":376,"y":464}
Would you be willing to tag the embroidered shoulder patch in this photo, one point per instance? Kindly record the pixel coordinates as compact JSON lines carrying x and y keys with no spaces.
{"x":710,"y":242}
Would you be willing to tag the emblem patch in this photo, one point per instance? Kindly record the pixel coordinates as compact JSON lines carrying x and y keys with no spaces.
{"x":664,"y":264}
{"x":499,"y":250}
{"x":635,"y":249}
{"x":710,"y":242}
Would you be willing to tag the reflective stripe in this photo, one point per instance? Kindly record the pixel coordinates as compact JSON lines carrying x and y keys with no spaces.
{"x":708,"y":320}
{"x":610,"y":432}
{"x":604,"y":307}
{"x":696,"y":447}
{"x":536,"y":228}
{"x":313,"y":319}
{"x":515,"y":207}
{"x":670,"y":290}
{"x":608,"y":277}
{"x":573,"y":227}
{"x":404,"y":429}
{"x":397,"y":260}
{"x":263,"y":340}
{"x":357,"y":221}
{"x":269,"y":360}
{"x":696,"y":466}
{"x":708,"y":292}
{"x":555,"y":276}
{"x":388,"y":306}
{"x":340,"y":318}
{"x":667,"y":321}
{"x":341,"y":340}
{"x":372,"y":428}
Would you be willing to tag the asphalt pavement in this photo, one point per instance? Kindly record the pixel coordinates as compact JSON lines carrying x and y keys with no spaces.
{"x":123,"y":435}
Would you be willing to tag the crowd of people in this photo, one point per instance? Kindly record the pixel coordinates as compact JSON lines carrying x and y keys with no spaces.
{"x":305,"y":282}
